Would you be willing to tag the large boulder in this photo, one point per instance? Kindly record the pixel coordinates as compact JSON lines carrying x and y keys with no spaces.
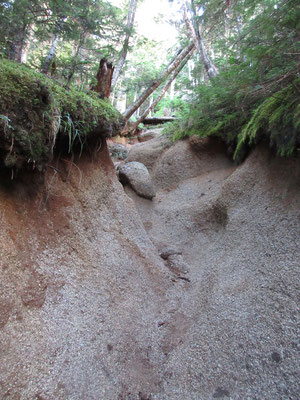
{"x":137,"y":176}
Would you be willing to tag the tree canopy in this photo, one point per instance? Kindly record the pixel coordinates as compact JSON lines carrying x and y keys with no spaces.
{"x":239,"y":80}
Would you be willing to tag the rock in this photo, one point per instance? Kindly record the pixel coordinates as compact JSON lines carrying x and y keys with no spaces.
{"x":138,"y":177}
{"x":118,"y":150}
{"x":166,"y":252}
{"x":85,"y":295}
{"x":175,"y":261}
{"x":177,"y":264}
{"x":178,"y":163}
{"x":148,"y":135}
{"x":149,"y":152}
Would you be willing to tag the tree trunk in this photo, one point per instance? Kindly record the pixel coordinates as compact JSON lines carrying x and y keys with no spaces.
{"x":150,"y":103}
{"x":17,"y":30}
{"x":17,"y":44}
{"x":172,"y":90}
{"x":193,"y":28}
{"x":104,"y":77}
{"x":74,"y":62}
{"x":52,"y":51}
{"x":51,"y":54}
{"x":163,"y":91}
{"x":130,"y":110}
{"x":123,"y":54}
{"x":24,"y":50}
{"x":137,"y":113}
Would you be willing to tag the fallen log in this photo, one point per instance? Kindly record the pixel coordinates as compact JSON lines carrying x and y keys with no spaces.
{"x":158,"y":120}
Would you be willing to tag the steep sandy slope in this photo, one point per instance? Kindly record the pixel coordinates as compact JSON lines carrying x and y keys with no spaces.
{"x":235,"y":334}
{"x":90,"y":311}
{"x":82,"y":289}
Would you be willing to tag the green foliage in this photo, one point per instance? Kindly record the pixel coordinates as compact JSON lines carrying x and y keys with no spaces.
{"x":242,"y":117}
{"x":142,"y":66}
{"x":278,"y":118}
{"x":87,"y":30}
{"x":175,"y":106}
{"x":256,"y":94}
{"x":35,"y":110}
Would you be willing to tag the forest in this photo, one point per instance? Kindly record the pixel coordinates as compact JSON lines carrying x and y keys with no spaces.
{"x":149,"y":199}
{"x":231,"y":72}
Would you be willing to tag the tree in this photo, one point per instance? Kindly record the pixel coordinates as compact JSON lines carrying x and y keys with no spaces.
{"x":163,"y":90}
{"x":194,"y":30}
{"x":52,"y":50}
{"x":16,"y":19}
{"x":180,"y":55}
{"x":104,"y":78}
{"x":76,"y":60}
{"x":256,"y":93}
{"x":95,"y":32}
{"x":123,"y":54}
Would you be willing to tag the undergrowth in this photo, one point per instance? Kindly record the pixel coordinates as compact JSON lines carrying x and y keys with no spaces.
{"x":256,"y":94}
{"x":278,"y":119}
{"x":242,"y":124}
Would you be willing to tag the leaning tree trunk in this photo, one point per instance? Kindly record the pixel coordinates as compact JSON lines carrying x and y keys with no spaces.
{"x":104,"y":78}
{"x":123,"y":54}
{"x":130,"y":110}
{"x":163,"y":91}
{"x":193,"y":28}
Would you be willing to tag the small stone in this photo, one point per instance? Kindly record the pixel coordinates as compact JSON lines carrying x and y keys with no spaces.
{"x":148,"y":135}
{"x":167,"y":251}
{"x":276,"y":356}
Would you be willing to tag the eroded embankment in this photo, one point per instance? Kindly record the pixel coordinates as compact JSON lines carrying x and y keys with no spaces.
{"x":82,"y":288}
{"x":236,"y":230}
{"x":89,"y":310}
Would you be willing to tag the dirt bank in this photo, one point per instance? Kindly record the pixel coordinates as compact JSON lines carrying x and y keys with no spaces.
{"x":89,"y":310}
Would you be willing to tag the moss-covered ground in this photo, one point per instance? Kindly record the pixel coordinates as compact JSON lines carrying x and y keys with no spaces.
{"x":37,"y":115}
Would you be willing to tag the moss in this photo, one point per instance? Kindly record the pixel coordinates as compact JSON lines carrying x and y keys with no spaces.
{"x":36,"y":114}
